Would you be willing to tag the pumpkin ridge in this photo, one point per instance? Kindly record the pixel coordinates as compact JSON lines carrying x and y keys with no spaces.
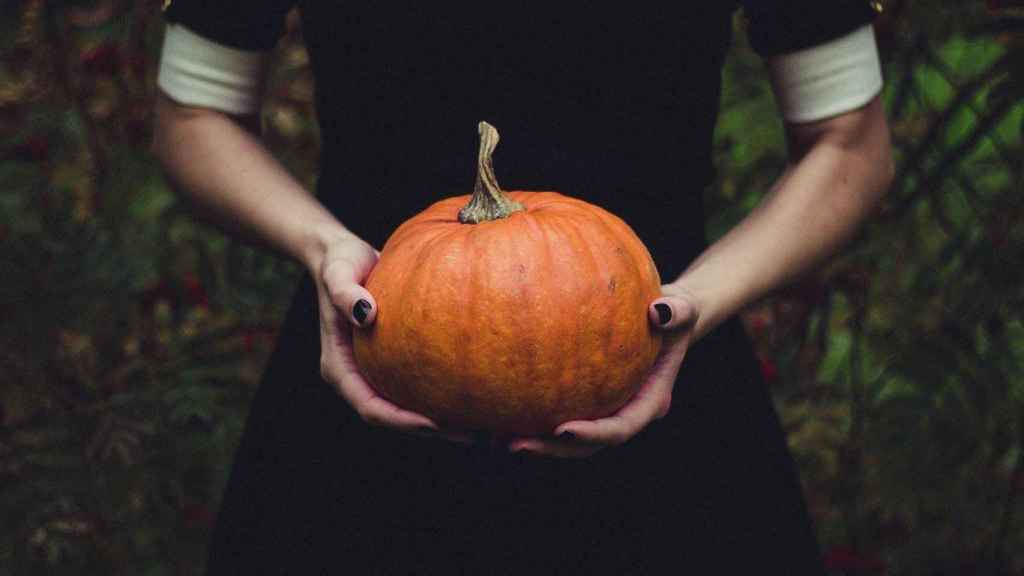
{"x":416,"y":319}
{"x":607,"y":314}
{"x":466,"y":329}
{"x":525,"y":368}
{"x":581,"y":347}
{"x":410,"y":227}
{"x":617,"y":232}
{"x":476,"y":391}
{"x":622,"y":238}
{"x":539,"y":234}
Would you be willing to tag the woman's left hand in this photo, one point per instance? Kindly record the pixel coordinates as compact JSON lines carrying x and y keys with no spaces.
{"x":675,"y":313}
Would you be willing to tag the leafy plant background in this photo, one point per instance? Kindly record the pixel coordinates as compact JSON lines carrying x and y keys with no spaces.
{"x":131,"y":337}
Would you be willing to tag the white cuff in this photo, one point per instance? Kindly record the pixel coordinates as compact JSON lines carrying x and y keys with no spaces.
{"x":829,"y":79}
{"x":196,"y":71}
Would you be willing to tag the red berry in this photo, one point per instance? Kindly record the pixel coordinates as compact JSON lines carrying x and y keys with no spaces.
{"x":195,"y":292}
{"x":845,"y":559}
{"x":769,"y":371}
{"x":34,"y":149}
{"x":104,"y":60}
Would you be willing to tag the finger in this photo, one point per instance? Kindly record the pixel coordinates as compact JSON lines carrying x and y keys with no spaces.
{"x":373,"y":409}
{"x":338,"y":366}
{"x":611,"y":431}
{"x":555,"y":448}
{"x":378,"y":411}
{"x":341,"y":279}
{"x":355,"y":302}
{"x":672,"y":313}
{"x":652,"y":401}
{"x":619,"y":428}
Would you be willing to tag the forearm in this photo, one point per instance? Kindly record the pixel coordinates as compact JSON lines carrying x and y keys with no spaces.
{"x":814,"y":208}
{"x":228,"y":174}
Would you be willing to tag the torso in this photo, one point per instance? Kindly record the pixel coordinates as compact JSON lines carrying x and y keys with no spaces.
{"x":610,"y":105}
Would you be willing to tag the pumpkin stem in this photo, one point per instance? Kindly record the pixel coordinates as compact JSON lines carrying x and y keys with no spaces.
{"x":488,"y":201}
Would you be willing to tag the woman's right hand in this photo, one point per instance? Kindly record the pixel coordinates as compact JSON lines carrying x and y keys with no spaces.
{"x":345,"y":305}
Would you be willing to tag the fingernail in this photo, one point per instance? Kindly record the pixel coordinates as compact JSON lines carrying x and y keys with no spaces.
{"x":664,"y":313}
{"x":360,"y":310}
{"x":426,"y":430}
{"x":567,"y":436}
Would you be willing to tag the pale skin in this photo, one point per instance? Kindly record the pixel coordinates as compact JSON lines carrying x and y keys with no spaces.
{"x":839,"y":169}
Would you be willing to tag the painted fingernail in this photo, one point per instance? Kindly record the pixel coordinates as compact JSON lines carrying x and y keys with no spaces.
{"x":664,"y":313}
{"x":360,"y":310}
{"x":567,"y":436}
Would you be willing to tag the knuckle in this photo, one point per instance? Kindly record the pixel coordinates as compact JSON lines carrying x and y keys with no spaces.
{"x":341,"y":297}
{"x":339,"y":270}
{"x":370,"y":417}
{"x":337,"y":293}
{"x":333,"y":266}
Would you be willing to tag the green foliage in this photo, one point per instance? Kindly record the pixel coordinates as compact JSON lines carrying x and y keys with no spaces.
{"x":900,"y":362}
{"x":132,"y":336}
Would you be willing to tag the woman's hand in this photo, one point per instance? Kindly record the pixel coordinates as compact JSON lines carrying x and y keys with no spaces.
{"x":346,"y":305}
{"x":676,"y":314}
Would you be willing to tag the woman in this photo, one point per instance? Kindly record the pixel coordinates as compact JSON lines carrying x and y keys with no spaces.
{"x":614,"y":106}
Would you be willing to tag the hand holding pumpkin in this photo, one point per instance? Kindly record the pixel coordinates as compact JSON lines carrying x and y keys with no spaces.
{"x":676,"y":314}
{"x":510,"y":313}
{"x":344,"y":303}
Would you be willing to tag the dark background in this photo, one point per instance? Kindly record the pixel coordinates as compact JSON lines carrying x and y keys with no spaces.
{"x":131,"y":338}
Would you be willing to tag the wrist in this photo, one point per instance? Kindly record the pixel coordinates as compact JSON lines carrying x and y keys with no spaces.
{"x":704,"y":302}
{"x":318,"y":239}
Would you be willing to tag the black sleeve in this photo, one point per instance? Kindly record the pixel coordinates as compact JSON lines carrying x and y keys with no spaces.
{"x":781,"y":26}
{"x":247,"y":25}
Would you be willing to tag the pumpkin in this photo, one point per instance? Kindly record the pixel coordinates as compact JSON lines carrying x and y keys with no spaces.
{"x":510,"y":312}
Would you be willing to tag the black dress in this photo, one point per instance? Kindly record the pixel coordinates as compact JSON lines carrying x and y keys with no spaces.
{"x":611,"y":103}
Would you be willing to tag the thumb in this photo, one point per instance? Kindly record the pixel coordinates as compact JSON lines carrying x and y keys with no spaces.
{"x":353,"y":300}
{"x":670,"y":313}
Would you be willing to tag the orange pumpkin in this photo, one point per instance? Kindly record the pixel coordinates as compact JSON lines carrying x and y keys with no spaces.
{"x":510,"y":313}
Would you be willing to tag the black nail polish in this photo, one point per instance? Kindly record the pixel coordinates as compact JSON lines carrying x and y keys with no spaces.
{"x":664,"y":313}
{"x":360,"y":310}
{"x":567,"y":436}
{"x":426,"y":430}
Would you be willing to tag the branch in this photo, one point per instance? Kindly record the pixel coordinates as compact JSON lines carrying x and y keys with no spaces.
{"x":62,"y":71}
{"x":948,"y":161}
{"x":949,"y":76}
{"x":916,"y":157}
{"x":852,"y":456}
{"x":999,"y":558}
{"x":907,"y":81}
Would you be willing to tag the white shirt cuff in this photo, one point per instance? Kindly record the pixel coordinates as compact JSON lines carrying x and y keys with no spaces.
{"x":829,"y":79}
{"x":196,"y":71}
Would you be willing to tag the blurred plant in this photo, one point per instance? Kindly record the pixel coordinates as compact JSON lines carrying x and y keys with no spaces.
{"x":899,"y":367}
{"x":132,"y":337}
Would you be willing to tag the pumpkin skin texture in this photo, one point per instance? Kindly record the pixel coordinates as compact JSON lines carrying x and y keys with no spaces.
{"x":513,"y":325}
